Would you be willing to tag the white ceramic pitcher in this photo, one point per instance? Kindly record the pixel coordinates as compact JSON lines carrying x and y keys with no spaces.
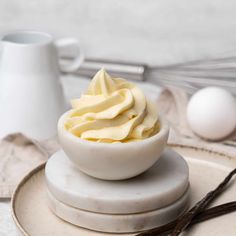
{"x":31,"y":97}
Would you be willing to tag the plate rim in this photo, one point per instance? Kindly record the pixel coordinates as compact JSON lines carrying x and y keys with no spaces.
{"x":42,"y":166}
{"x":15,"y":194}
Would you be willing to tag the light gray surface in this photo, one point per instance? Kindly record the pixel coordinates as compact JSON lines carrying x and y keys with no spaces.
{"x":7,"y":227}
{"x":157,"y":32}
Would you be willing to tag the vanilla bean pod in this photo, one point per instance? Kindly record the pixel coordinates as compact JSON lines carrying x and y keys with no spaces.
{"x":187,"y":217}
{"x":207,"y":214}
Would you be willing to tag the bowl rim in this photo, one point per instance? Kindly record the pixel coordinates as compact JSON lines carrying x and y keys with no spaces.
{"x":164,"y":130}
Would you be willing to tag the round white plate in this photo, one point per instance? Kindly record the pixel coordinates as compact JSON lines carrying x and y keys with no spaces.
{"x":33,"y":217}
{"x":163,"y":184}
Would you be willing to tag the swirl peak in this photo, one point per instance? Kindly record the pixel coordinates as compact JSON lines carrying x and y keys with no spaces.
{"x":112,"y":110}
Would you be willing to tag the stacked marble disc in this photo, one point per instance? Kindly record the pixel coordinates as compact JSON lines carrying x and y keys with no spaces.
{"x":149,"y":200}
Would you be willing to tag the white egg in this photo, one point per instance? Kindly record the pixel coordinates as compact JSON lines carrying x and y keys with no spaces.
{"x":211,"y":113}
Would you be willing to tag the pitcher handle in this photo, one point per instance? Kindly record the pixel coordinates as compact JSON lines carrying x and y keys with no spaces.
{"x":68,"y":47}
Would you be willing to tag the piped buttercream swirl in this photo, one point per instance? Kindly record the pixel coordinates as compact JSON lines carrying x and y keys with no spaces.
{"x":112,"y":110}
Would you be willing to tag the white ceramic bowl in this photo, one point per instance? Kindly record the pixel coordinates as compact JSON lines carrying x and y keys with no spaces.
{"x":112,"y":161}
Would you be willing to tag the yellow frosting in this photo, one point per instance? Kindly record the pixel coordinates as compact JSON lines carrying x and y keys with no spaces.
{"x":112,"y":110}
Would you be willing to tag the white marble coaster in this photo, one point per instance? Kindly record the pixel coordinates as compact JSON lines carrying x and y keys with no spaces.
{"x":158,"y":187}
{"x":118,"y":223}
